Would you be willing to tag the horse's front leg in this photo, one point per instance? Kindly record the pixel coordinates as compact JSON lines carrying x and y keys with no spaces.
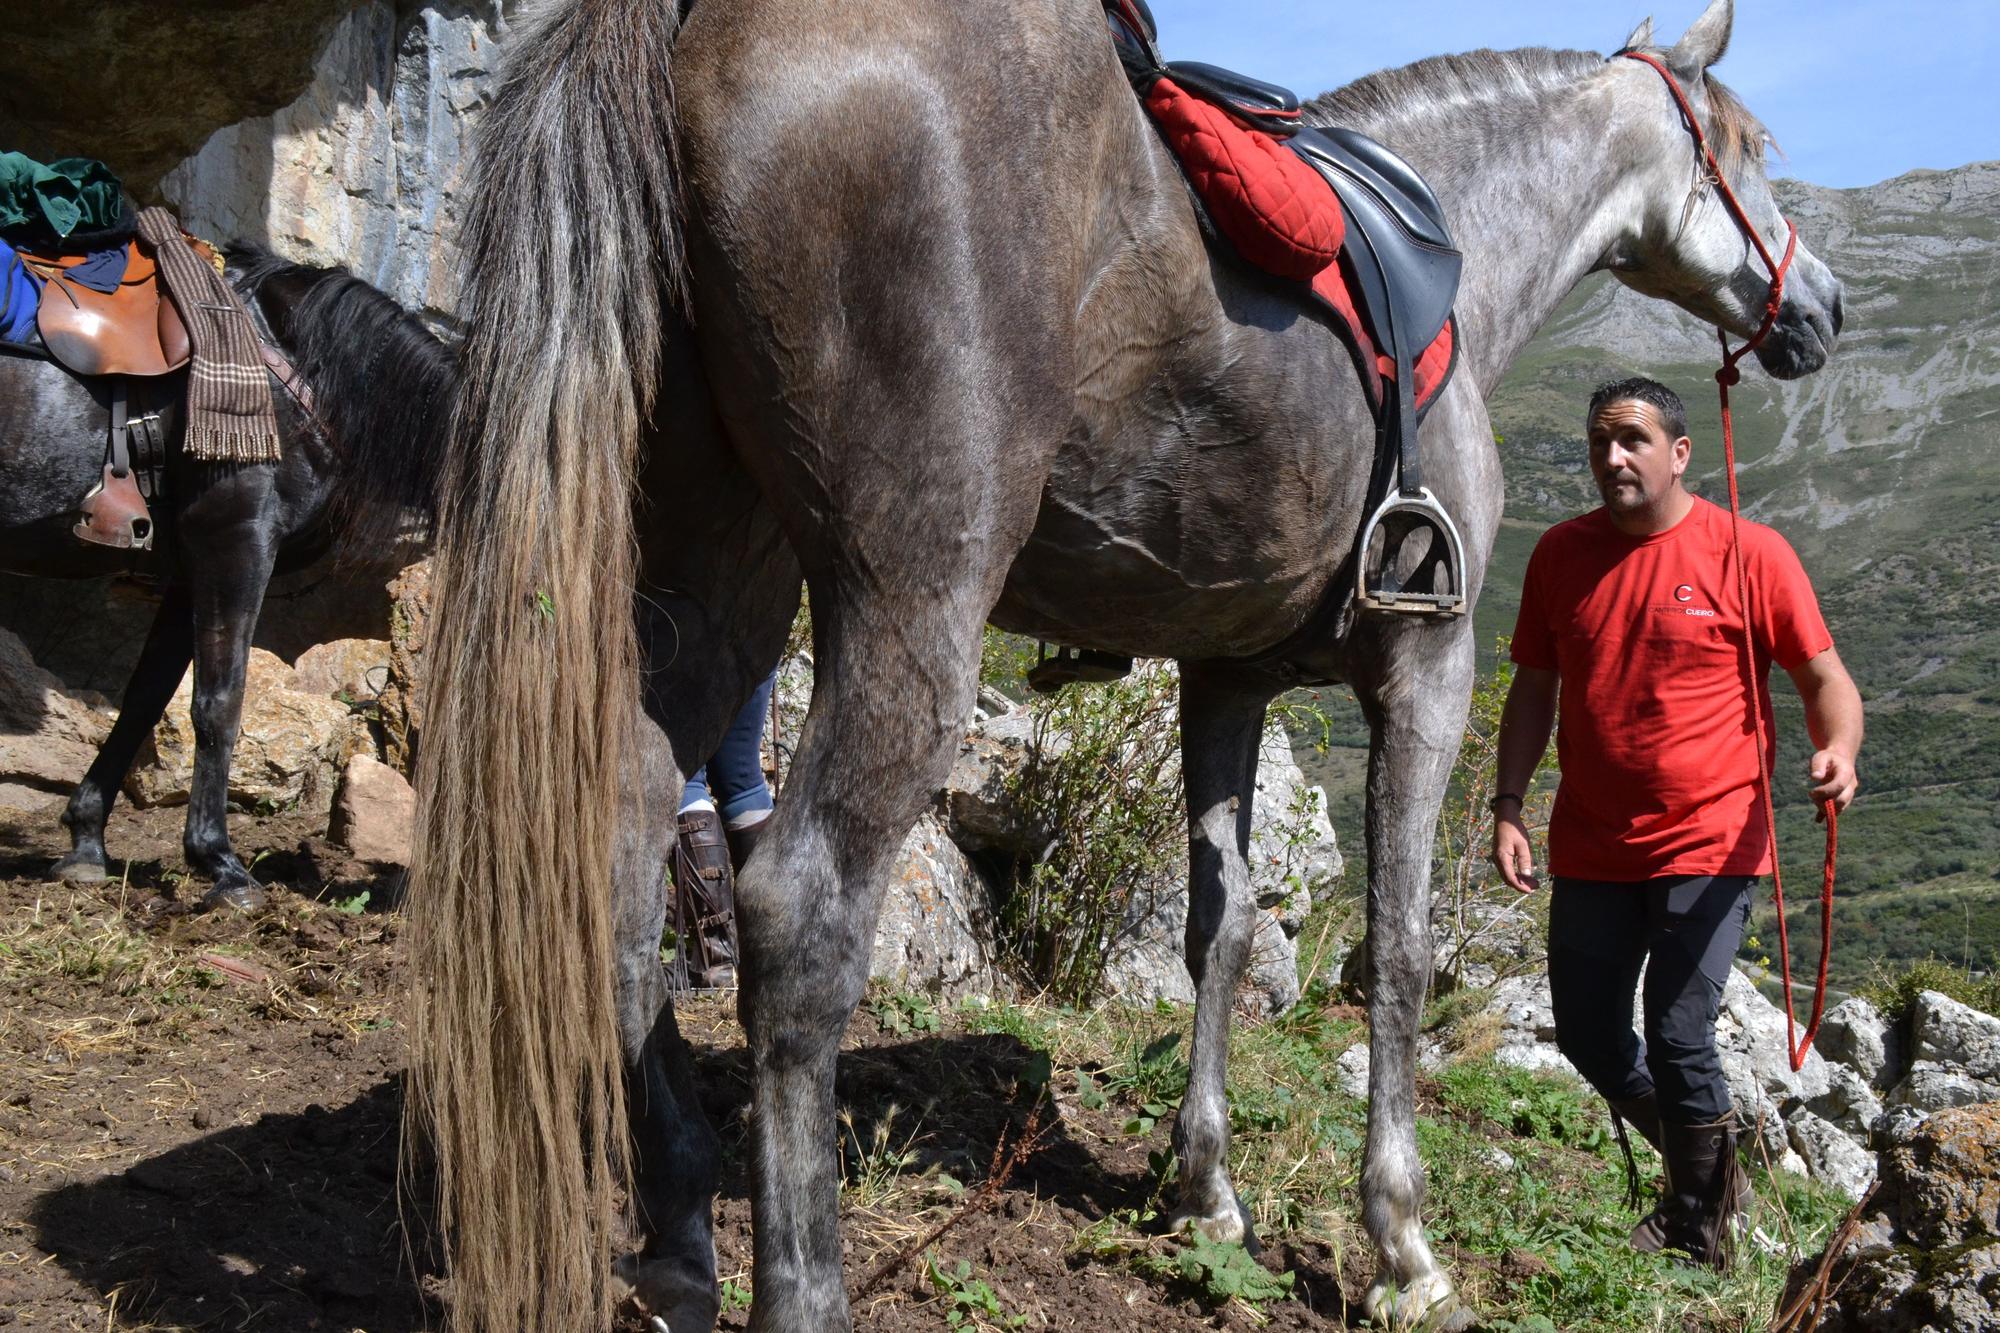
{"x":1222,"y":723}
{"x":162,"y":662}
{"x":227,"y":549}
{"x":1414,"y":688}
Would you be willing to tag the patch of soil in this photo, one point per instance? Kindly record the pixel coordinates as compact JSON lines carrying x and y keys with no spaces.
{"x":199,"y":1119}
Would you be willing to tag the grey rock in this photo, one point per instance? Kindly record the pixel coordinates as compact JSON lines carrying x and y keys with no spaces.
{"x":1292,"y":846}
{"x":1147,"y":959}
{"x":1831,"y":1156}
{"x":978,"y":801}
{"x":1935,"y":1087}
{"x":364,"y":166}
{"x":1848,"y":1103}
{"x":1350,"y":1071}
{"x":1947,"y":1032}
{"x":1855,"y":1034}
{"x":1750,"y":1035}
{"x":1895,"y":1125}
{"x":935,"y":933}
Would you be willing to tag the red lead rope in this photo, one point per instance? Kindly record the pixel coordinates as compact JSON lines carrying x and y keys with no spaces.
{"x":1795,"y":1045}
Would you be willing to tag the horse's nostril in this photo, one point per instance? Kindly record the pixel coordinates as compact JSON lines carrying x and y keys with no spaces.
{"x":1838,"y":315}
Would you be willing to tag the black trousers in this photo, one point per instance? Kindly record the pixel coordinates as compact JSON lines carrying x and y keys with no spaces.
{"x":1600,"y":934}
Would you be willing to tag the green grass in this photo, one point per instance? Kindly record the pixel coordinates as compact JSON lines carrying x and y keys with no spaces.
{"x":1527,"y":1189}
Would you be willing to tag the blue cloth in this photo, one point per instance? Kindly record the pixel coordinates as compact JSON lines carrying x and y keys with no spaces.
{"x":101,"y":270}
{"x":733,"y":781}
{"x":20,"y":298}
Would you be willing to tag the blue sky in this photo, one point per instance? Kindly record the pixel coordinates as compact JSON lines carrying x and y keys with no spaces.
{"x":1856,"y":91}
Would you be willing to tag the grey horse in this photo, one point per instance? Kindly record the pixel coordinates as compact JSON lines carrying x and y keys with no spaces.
{"x":906,"y":301}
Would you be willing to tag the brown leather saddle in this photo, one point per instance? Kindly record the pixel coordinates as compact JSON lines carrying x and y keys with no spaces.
{"x":134,"y":332}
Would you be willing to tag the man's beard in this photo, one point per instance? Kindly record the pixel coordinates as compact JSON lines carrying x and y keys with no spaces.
{"x":1626,"y":501}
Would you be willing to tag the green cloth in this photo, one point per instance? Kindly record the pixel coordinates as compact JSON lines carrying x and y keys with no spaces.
{"x":56,"y":199}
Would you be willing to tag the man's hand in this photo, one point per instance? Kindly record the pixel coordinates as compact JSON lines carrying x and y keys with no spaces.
{"x":1833,"y":779}
{"x":1833,"y":719}
{"x":1512,"y":855}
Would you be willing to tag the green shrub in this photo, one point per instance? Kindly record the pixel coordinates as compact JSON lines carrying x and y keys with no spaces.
{"x":1894,"y":990}
{"x":1104,"y":778}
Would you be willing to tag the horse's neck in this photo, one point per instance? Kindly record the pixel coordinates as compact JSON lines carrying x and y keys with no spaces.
{"x":1536,"y":197}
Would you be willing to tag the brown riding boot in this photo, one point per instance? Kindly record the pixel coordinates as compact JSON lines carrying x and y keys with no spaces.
{"x":1650,"y":1236}
{"x":744,"y":840}
{"x":704,"y":915}
{"x":1705,"y":1186}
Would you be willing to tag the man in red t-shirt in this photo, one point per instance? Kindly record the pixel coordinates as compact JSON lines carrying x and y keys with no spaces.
{"x":1630,"y":619}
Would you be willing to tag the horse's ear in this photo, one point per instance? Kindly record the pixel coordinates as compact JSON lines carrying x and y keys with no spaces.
{"x":1642,"y":36}
{"x":1704,"y":41}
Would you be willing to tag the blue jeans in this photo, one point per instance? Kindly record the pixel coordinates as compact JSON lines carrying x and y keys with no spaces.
{"x":733,"y":779}
{"x":1600,"y":933}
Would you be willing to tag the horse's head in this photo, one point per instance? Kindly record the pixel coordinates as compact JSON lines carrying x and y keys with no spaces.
{"x":1686,"y":245}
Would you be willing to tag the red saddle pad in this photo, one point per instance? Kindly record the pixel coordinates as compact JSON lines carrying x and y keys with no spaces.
{"x":1273,"y":207}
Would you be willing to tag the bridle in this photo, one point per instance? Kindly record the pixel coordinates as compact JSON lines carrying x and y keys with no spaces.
{"x":1725,"y":377}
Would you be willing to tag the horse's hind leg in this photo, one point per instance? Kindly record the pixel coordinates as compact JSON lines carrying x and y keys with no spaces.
{"x":162,"y":662}
{"x":675,"y":1152}
{"x":1414,"y":683}
{"x":1222,"y":724}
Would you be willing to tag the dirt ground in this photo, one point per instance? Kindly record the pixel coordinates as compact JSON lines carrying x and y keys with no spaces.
{"x":199,"y":1126}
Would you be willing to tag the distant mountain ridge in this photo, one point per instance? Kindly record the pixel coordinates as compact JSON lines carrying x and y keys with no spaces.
{"x":1883,"y":470}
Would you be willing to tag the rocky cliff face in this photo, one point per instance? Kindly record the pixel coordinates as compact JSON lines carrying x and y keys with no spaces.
{"x":331,"y":132}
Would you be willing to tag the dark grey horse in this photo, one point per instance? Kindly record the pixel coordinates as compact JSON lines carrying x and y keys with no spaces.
{"x":377,"y":381}
{"x":907,"y":300}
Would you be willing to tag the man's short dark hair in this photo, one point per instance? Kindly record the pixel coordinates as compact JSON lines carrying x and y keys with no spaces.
{"x":1639,"y":389}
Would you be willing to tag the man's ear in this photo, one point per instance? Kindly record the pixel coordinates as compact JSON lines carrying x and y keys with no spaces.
{"x":1683,"y":451}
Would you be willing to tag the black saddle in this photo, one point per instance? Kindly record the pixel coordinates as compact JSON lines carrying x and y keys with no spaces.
{"x":1402,"y":272}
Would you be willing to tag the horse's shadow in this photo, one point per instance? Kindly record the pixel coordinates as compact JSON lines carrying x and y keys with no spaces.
{"x":289,"y":1222}
{"x":295,"y":1220}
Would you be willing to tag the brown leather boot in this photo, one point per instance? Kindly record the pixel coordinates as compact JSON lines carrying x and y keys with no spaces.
{"x":704,"y":916}
{"x":1704,"y":1187}
{"x":1650,"y":1236}
{"x":744,"y":840}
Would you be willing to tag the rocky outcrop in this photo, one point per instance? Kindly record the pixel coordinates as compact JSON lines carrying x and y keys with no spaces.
{"x":47,"y":736}
{"x":1955,"y":1056}
{"x":935,"y":933}
{"x":352,"y":670}
{"x":286,"y":752}
{"x":364,"y":166}
{"x":1927,"y":1256}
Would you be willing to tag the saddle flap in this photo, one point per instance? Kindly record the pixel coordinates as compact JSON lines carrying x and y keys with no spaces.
{"x":1391,"y":213}
{"x":130,"y":331}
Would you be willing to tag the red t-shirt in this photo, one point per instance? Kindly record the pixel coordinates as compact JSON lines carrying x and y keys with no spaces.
{"x":1659,"y":769}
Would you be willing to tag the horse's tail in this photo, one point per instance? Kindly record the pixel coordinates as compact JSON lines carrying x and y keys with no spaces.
{"x":573,"y":254}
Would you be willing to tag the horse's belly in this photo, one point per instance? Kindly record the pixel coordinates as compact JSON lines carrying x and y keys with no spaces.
{"x":1190,"y":552}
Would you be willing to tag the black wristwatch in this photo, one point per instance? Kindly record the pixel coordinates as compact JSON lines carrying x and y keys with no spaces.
{"x":1494,"y":804}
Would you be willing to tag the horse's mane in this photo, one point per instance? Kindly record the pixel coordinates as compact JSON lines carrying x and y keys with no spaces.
{"x":381,"y":385}
{"x":1441,"y":83}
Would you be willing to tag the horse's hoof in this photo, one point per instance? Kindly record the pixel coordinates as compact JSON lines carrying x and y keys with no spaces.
{"x":1228,"y":1225}
{"x":1428,"y":1305}
{"x":245,"y":895}
{"x":670,"y":1295}
{"x":80,"y":868}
